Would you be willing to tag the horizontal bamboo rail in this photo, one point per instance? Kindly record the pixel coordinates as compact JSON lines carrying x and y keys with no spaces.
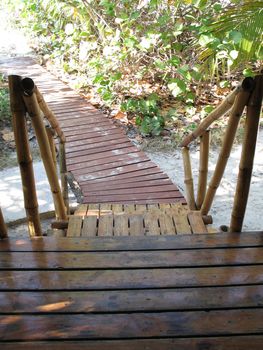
{"x":33,"y":109}
{"x":216,"y":113}
{"x":24,"y":157}
{"x":3,"y":228}
{"x":247,"y":156}
{"x":189,"y":186}
{"x":240,"y":102}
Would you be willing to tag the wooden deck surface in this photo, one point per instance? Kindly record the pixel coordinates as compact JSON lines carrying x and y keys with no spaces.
{"x":106,"y":165}
{"x":90,"y":220}
{"x":177,"y":292}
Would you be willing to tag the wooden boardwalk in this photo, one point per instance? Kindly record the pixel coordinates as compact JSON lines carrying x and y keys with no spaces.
{"x":178,"y":292}
{"x":105,"y":164}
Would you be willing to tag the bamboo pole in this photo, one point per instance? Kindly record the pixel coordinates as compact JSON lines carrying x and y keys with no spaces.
{"x":29,"y":88}
{"x":235,"y":114}
{"x":247,"y":156}
{"x":203,"y":168}
{"x":3,"y":228}
{"x":24,"y":157}
{"x":63,"y":174}
{"x":225,"y":105}
{"x":188,"y":179}
{"x":51,"y":142}
{"x":37,"y":122}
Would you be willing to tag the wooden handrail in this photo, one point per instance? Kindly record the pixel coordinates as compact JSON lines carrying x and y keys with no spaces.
{"x":226,"y":104}
{"x":3,"y":228}
{"x":34,"y":112}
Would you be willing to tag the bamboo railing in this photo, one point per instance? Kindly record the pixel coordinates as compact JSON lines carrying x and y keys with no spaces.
{"x":249,"y":94}
{"x":25,"y":98}
{"x":24,"y":157}
{"x":3,"y":228}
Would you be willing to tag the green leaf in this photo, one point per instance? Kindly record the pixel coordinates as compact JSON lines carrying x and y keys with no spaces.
{"x":116,"y":76}
{"x":174,"y":61}
{"x":235,"y":36}
{"x":248,"y":72}
{"x":205,"y":39}
{"x":177,"y":86}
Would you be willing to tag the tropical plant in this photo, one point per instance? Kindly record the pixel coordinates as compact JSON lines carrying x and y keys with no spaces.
{"x":237,"y":31}
{"x":129,"y":50}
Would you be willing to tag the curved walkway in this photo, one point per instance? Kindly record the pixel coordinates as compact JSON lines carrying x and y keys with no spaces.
{"x":104,"y":163}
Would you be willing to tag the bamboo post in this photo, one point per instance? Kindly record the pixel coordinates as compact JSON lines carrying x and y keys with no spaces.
{"x":203,"y":168}
{"x":235,"y":114}
{"x":247,"y":156}
{"x":214,"y":115}
{"x":3,"y":228}
{"x":24,"y":157}
{"x":50,"y":136}
{"x":63,"y":174}
{"x":188,"y":179}
{"x":37,"y":122}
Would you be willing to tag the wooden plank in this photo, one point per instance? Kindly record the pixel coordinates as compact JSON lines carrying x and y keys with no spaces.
{"x":129,"y":208}
{"x":166,"y":224}
{"x":151,"y":223}
{"x":132,"y":259}
{"x":140,"y":208}
{"x":90,"y":141}
{"x":115,"y":159}
{"x":121,"y":224}
{"x":123,"y":326}
{"x":134,"y":279}
{"x":94,"y":134}
{"x":219,"y":240}
{"x":133,"y":176}
{"x":116,"y":185}
{"x":117,"y":208}
{"x":164,"y":206}
{"x":212,"y":343}
{"x":91,"y":151}
{"x":90,"y":169}
{"x":82,"y":120}
{"x":196,"y":222}
{"x":89,"y":228}
{"x":105,"y":226}
{"x":89,"y":129}
{"x":98,"y":146}
{"x":131,"y":196}
{"x":94,"y":209}
{"x":209,"y":298}
{"x":114,"y":154}
{"x":179,"y":213}
{"x":150,"y":189}
{"x":136,"y":225}
{"x":81,"y":210}
{"x":71,"y":116}
{"x":74,"y":226}
{"x":105,"y":207}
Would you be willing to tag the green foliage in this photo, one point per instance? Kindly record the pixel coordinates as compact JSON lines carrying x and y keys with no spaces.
{"x":118,"y":46}
{"x":147,"y":114}
{"x":4,"y":100}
